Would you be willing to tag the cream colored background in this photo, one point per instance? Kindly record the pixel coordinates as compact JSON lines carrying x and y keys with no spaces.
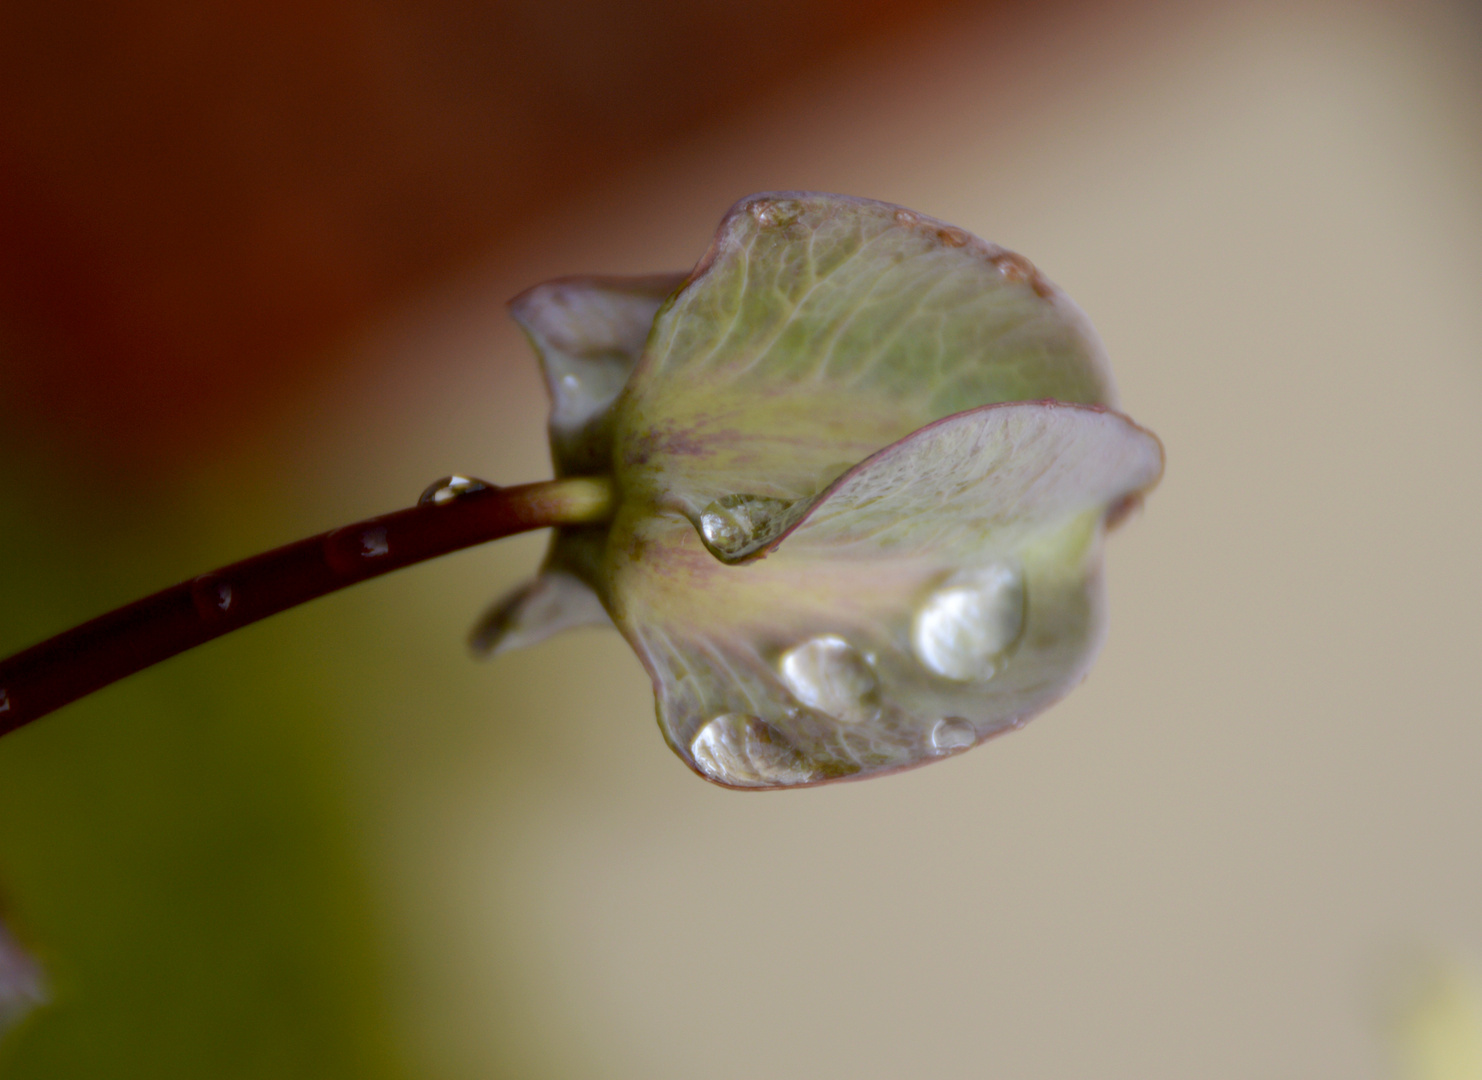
{"x":1202,"y":862}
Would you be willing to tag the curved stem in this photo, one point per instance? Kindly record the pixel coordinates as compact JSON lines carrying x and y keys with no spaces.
{"x":89,"y":657}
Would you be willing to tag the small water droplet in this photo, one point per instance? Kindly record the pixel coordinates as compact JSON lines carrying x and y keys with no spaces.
{"x":4,"y":701}
{"x":213,"y":597}
{"x":829,"y":674}
{"x":739,"y":524}
{"x":744,"y":751}
{"x":953,"y":734}
{"x":906,"y":217}
{"x":571,"y":382}
{"x":1014,"y":267}
{"x":449,"y":488}
{"x":963,"y":628}
{"x":952,"y":236}
{"x":373,"y":543}
{"x":346,"y":550}
{"x":772,"y":213}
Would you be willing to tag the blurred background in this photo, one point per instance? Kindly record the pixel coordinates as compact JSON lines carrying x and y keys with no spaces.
{"x":253,"y":260}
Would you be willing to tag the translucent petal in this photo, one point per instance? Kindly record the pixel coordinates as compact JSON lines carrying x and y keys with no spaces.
{"x":588,"y":333}
{"x":551,"y":602}
{"x":820,"y":328}
{"x":987,"y":524}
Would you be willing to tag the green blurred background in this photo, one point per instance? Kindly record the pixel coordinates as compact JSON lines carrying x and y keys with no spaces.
{"x":252,"y":267}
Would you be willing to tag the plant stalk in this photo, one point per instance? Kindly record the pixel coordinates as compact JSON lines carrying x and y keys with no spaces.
{"x":89,"y":657}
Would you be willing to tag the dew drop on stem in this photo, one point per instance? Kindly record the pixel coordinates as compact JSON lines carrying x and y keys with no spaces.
{"x":450,"y":489}
{"x":349,"y":550}
{"x":213,"y":597}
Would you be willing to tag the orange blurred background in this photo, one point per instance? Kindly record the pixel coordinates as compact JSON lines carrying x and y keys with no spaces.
{"x":197,"y":202}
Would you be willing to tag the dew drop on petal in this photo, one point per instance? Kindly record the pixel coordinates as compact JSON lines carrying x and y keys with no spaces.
{"x":450,"y":488}
{"x":829,"y":674}
{"x":953,"y":734}
{"x":738,"y":524}
{"x":744,"y":751}
{"x":772,"y":213}
{"x":962,"y":629}
{"x":1013,"y":266}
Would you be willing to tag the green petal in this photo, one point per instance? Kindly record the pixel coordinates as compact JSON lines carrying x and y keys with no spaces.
{"x":942,"y":591}
{"x":820,"y":328}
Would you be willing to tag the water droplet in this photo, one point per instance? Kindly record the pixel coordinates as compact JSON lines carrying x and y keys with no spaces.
{"x":906,"y":217}
{"x":213,"y":597}
{"x":772,"y":213}
{"x":450,"y":488}
{"x":829,"y":674}
{"x":744,"y":751}
{"x":953,"y":734}
{"x":346,"y":550}
{"x":737,"y":525}
{"x":1016,"y":267}
{"x":1013,"y":266}
{"x":373,"y":542}
{"x":952,"y":236}
{"x":963,"y":628}
{"x":4,"y":701}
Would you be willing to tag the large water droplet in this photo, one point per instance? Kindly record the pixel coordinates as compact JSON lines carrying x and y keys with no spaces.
{"x":829,"y":674}
{"x":737,"y":525}
{"x":953,"y":734}
{"x":963,"y":628}
{"x":451,"y":488}
{"x":744,"y":751}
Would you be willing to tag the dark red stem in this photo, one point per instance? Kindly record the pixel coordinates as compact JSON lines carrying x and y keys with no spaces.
{"x":89,"y":657}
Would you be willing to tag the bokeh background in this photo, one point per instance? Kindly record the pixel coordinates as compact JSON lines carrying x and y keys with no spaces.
{"x":253,"y":259}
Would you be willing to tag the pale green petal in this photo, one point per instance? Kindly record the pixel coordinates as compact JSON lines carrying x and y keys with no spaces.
{"x":820,"y":328}
{"x":942,"y":592}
